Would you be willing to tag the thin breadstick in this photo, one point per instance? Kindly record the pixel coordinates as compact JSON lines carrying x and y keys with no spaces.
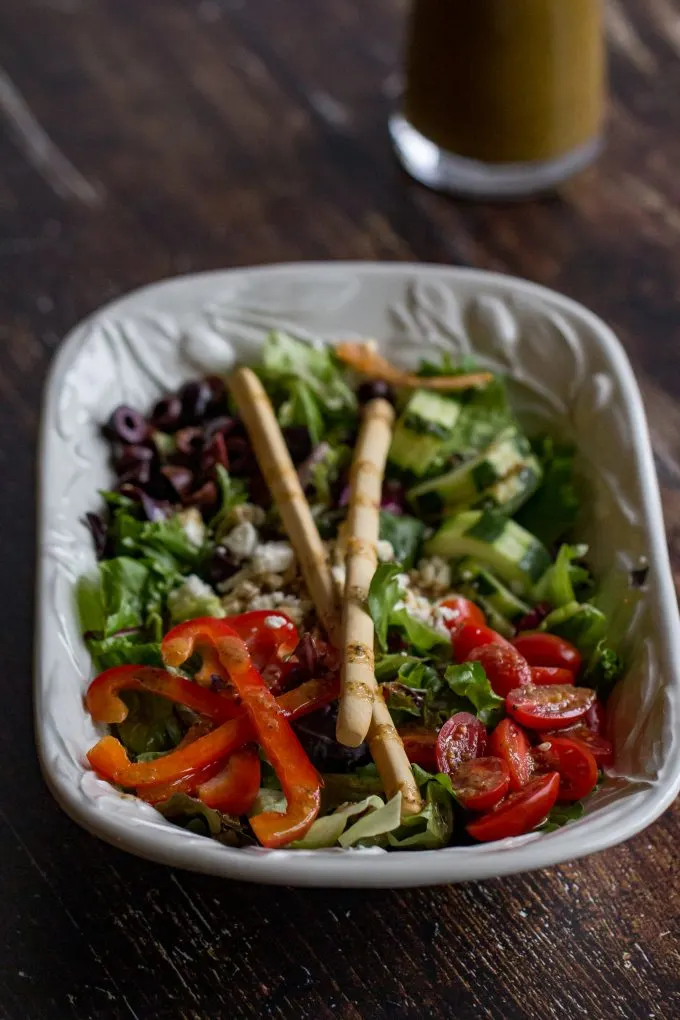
{"x":358,"y":634}
{"x":390,"y":758}
{"x":365,"y":359}
{"x":274,"y":460}
{"x":280,"y":475}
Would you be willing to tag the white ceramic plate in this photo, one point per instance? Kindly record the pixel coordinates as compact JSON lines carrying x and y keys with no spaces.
{"x":568,"y":371}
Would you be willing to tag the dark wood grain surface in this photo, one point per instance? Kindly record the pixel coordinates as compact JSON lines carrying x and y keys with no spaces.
{"x":144,"y":139}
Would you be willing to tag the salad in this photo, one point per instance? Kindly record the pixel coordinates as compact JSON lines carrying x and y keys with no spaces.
{"x":341,"y":605}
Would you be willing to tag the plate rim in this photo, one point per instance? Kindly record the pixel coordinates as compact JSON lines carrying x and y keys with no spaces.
{"x":400,"y":868}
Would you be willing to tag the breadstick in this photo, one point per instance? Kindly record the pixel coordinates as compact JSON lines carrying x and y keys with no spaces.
{"x":358,"y":675}
{"x":365,"y":359}
{"x":280,"y":475}
{"x":277,"y":468}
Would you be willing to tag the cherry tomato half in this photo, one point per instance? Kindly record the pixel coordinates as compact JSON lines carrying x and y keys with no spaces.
{"x":461,"y":738}
{"x":461,"y":610}
{"x":471,"y":636}
{"x":548,"y":650}
{"x":520,"y":812}
{"x":543,"y":676}
{"x":269,"y":635}
{"x":573,"y":761}
{"x":556,"y":706}
{"x":420,"y":746}
{"x":601,"y":749}
{"x":509,"y":742}
{"x":481,"y":783}
{"x":596,"y":717}
{"x":505,"y":668}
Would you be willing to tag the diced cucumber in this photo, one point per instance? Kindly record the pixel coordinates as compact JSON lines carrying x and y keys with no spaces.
{"x":505,"y":474}
{"x":511,"y":552}
{"x":511,"y":492}
{"x":423,"y":429}
{"x":579,"y":622}
{"x":480,"y":585}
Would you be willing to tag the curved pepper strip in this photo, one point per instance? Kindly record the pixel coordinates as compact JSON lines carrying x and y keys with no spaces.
{"x":298,"y":777}
{"x":105,"y":706}
{"x":234,"y":788}
{"x":159,"y":792}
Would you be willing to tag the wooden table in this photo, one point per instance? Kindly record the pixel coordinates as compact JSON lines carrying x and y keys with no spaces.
{"x":144,"y":139}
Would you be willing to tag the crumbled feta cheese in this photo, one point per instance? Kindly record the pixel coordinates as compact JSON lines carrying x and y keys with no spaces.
{"x":440,"y":616}
{"x":404,"y":581}
{"x":274,"y":622}
{"x":242,"y":541}
{"x":446,"y":613}
{"x":231,"y":582}
{"x":273,"y":557}
{"x":192,"y":525}
{"x":385,"y":551}
{"x":432,"y":575}
{"x":247,"y":513}
{"x":193,"y":598}
{"x":291,"y":605}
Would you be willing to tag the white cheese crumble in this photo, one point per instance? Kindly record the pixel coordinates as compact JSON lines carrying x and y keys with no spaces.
{"x":192,"y":525}
{"x":242,"y":541}
{"x":273,"y":557}
{"x":274,"y":622}
{"x":385,"y":551}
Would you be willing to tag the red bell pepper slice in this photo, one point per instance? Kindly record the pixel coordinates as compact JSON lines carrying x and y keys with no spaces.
{"x":159,"y":792}
{"x":268,"y":635}
{"x":298,"y":777}
{"x":235,"y":786}
{"x":109,"y":759}
{"x":105,"y":706}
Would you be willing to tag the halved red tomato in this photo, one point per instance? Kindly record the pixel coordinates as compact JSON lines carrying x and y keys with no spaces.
{"x":471,"y":636}
{"x":542,"y":676}
{"x":520,"y":812}
{"x":505,"y":668}
{"x":554,"y":707}
{"x":461,"y":738}
{"x":596,"y":717}
{"x":548,"y":650}
{"x":509,"y":742}
{"x":460,"y":611}
{"x":481,"y":783}
{"x":573,"y":761}
{"x":601,"y":749}
{"x":420,"y":746}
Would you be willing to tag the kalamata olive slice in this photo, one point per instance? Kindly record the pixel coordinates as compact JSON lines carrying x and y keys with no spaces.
{"x":167,"y":414}
{"x":374,"y":388}
{"x":127,"y":425}
{"x":179,"y":477}
{"x":195,"y":397}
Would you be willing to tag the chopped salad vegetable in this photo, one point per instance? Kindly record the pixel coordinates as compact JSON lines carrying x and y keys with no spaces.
{"x":219,"y":681}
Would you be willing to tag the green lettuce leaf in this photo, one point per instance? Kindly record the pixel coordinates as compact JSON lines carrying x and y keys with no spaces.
{"x":421,"y":637}
{"x":151,"y":723}
{"x":446,"y":364}
{"x":307,"y":384}
{"x":348,"y":787}
{"x":470,"y":681}
{"x":604,"y":669}
{"x":405,"y":535}
{"x":581,"y":623}
{"x":326,"y":831}
{"x":560,"y":815}
{"x":123,"y":583}
{"x":375,"y":823}
{"x":553,"y":508}
{"x":383,"y":595}
{"x":233,"y":493}
{"x":388,"y":666}
{"x":124,"y":649}
{"x":191,"y":814}
{"x":193,"y":598}
{"x":565,"y":578}
{"x":431,"y":828}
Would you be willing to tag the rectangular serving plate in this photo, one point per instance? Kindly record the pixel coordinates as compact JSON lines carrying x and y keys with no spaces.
{"x":567,"y":373}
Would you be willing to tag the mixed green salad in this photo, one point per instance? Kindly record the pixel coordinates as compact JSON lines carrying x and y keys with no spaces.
{"x":491,"y":650}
